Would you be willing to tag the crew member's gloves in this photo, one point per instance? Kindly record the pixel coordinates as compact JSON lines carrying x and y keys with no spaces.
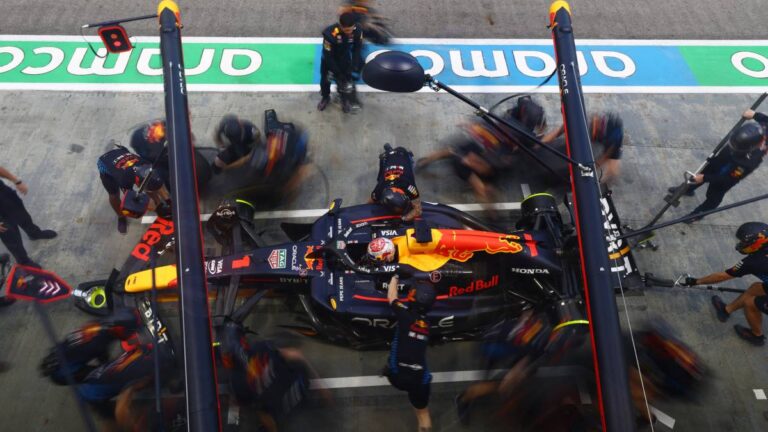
{"x":690,"y":281}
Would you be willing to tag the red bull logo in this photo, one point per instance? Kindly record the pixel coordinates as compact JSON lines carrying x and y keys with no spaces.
{"x":313,"y":263}
{"x":161,"y":227}
{"x":462,"y":245}
{"x":474,"y":287}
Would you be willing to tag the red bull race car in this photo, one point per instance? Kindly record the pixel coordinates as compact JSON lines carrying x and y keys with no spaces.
{"x":482,"y":273}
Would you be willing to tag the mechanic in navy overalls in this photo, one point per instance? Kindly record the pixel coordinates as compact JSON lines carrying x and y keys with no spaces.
{"x":396,"y":183}
{"x":237,"y":139}
{"x":753,"y":242}
{"x":733,"y":164}
{"x":342,"y":56}
{"x":406,"y":367}
{"x":120,"y":170}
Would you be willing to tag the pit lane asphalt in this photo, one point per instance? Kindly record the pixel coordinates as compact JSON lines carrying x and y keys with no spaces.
{"x":52,"y":139}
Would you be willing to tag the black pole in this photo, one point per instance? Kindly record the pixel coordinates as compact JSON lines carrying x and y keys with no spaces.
{"x":692,"y":216}
{"x":199,"y":371}
{"x":610,"y":362}
{"x":673,"y":199}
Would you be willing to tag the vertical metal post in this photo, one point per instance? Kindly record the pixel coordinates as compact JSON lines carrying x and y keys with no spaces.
{"x":202,"y":402}
{"x":610,"y":362}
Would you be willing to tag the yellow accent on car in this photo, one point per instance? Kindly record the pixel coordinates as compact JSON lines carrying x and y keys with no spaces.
{"x":419,"y":255}
{"x":142,"y":281}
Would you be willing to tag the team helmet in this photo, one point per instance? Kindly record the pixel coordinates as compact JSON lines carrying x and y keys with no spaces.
{"x":753,"y":236}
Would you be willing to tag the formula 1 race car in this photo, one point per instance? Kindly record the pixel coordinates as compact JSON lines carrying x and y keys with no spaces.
{"x":482,"y":273}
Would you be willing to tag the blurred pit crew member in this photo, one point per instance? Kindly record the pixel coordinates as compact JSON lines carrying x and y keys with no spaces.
{"x":121,"y":170}
{"x":136,"y":415}
{"x":372,"y":24}
{"x":753,"y":242}
{"x":274,"y":380}
{"x":520,"y":346}
{"x":734,"y":163}
{"x":236,"y":138}
{"x":668,"y":369}
{"x":396,"y":183}
{"x":482,"y":152}
{"x":406,"y":367}
{"x":13,"y":215}
{"x":342,"y":57}
{"x":98,"y":383}
{"x":608,"y":130}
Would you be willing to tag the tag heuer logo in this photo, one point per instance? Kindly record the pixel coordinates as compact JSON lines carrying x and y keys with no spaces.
{"x":276,"y":259}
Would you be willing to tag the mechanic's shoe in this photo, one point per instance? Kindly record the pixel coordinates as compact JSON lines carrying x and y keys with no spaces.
{"x":462,"y":409}
{"x":44,"y":235}
{"x":719,"y":304}
{"x":748,"y":336}
{"x":4,"y":258}
{"x":323,"y":104}
{"x":5,"y":301}
{"x":688,"y":193}
{"x":122,"y":225}
{"x":346,"y":106}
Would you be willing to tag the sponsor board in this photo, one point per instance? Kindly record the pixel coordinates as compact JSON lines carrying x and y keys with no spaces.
{"x":292,"y":64}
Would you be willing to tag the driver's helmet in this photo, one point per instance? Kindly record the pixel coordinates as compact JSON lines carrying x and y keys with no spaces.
{"x":746,"y":138}
{"x":381,"y":249}
{"x":424,"y":295}
{"x":394,"y":199}
{"x":753,"y":236}
{"x":154,"y":182}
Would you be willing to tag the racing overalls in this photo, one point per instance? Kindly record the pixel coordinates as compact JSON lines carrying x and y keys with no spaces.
{"x":755,"y":264}
{"x":725,"y":171}
{"x":116,"y":170}
{"x":396,"y":170}
{"x":259,"y":374}
{"x":92,"y":342}
{"x":407,"y":364}
{"x":342,"y":55}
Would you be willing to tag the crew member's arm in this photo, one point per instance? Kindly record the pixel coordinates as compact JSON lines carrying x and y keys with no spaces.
{"x":710,"y":279}
{"x":553,"y":134}
{"x":20,"y":185}
{"x":392,"y":288}
{"x":713,"y":176}
{"x":329,"y":54}
{"x":605,"y":155}
{"x":414,"y":212}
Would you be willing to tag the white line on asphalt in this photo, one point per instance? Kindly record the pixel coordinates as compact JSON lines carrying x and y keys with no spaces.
{"x":469,"y":375}
{"x":663,"y":418}
{"x":431,"y":41}
{"x":307,"y":213}
{"x":310,"y":88}
{"x":759,"y":394}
